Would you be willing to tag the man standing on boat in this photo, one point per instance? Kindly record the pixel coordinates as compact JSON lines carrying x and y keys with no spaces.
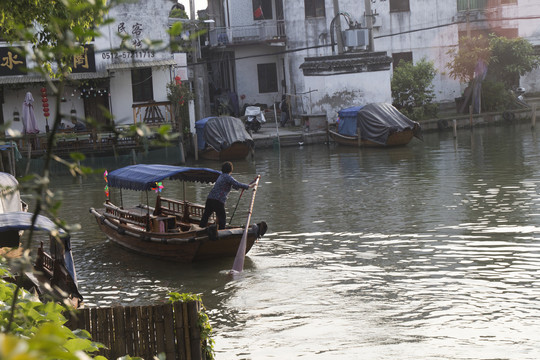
{"x":218,"y":195}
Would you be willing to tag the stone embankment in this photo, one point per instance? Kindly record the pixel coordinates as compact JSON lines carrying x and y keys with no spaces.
{"x":271,"y":134}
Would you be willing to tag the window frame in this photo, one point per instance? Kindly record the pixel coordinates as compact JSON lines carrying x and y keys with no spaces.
{"x":399,"y":57}
{"x":267,"y":78}
{"x":314,"y":9}
{"x":399,"y":6}
{"x":142,"y":88}
{"x":266,"y":5}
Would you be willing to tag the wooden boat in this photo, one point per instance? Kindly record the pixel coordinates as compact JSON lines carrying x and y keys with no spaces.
{"x":54,"y":272}
{"x":169,"y":230}
{"x":379,"y":125}
{"x":223,"y":138}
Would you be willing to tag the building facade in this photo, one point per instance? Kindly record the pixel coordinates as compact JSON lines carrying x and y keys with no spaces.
{"x":262,"y":49}
{"x":129,"y":81}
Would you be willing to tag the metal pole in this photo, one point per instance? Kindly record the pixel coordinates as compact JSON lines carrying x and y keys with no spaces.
{"x":369,"y":23}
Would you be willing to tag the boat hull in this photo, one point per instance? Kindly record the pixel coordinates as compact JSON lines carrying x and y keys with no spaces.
{"x":395,"y":139}
{"x":188,"y":246}
{"x":237,"y":151}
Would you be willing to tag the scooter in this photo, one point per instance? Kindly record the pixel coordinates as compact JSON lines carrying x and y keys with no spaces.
{"x":254,"y":118}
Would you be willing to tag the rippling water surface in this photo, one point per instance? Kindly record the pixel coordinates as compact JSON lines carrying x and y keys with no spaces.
{"x":430,"y":251}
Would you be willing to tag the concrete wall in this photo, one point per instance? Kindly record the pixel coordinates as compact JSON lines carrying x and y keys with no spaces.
{"x":329,"y":94}
{"x":247,"y":78}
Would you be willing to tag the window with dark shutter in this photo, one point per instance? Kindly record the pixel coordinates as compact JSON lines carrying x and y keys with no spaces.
{"x":314,"y":8}
{"x":399,"y":5}
{"x":267,"y":75}
{"x":141,"y":85}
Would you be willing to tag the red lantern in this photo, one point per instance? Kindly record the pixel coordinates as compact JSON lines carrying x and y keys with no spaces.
{"x":45,"y":108}
{"x":46,"y":114}
{"x":43,"y":90}
{"x":44,"y":99}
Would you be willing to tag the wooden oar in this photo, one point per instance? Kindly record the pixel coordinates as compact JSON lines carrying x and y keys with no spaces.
{"x":241,"y":253}
{"x":242,"y":193}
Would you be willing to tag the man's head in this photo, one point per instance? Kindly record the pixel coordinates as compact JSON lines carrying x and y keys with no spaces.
{"x":227,"y":167}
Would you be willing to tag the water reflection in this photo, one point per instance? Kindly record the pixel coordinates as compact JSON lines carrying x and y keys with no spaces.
{"x":423,"y":252}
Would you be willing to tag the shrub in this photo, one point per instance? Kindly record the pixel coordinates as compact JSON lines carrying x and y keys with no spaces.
{"x":412,"y":89}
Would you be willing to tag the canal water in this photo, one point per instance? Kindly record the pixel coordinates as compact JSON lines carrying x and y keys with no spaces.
{"x":429,"y":251}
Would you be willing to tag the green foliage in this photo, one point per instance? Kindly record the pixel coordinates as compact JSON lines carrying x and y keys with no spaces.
{"x":495,"y":96}
{"x":205,"y":327}
{"x":179,"y":93}
{"x":511,"y":58}
{"x":471,"y":49}
{"x":412,"y":89}
{"x":507,"y":59}
{"x":35,"y":330}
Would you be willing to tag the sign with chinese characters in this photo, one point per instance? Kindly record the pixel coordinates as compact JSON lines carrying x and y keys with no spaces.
{"x":85,"y":62}
{"x":11,"y":62}
{"x":134,"y":31}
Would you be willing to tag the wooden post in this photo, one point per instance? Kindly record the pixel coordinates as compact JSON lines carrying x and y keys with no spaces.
{"x":470,"y":116}
{"x":195,"y":146}
{"x":454,"y":125}
{"x":181,"y":148}
{"x":533,"y":120}
{"x":29,"y":145}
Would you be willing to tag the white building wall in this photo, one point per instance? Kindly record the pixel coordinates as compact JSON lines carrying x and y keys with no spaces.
{"x":143,"y":20}
{"x":246,"y":75}
{"x":529,"y":28}
{"x":329,"y":94}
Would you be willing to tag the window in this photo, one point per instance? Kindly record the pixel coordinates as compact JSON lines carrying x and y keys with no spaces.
{"x":314,"y":8}
{"x":399,"y":5}
{"x":267,"y":75}
{"x":141,"y":85}
{"x":262,"y":10}
{"x":464,"y":5}
{"x":401,"y":57}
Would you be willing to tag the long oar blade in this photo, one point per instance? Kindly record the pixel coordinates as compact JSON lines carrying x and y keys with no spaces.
{"x":238,"y":264}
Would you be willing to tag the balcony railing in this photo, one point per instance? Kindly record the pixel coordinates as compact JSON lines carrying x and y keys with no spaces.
{"x":464,"y":5}
{"x":266,"y":31}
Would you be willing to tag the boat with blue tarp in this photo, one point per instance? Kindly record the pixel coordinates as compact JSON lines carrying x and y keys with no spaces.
{"x":223,"y":138}
{"x":169,"y":229}
{"x":374,"y":125}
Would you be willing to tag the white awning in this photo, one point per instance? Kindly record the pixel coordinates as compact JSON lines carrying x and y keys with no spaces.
{"x":141,"y":64}
{"x":28,"y":79}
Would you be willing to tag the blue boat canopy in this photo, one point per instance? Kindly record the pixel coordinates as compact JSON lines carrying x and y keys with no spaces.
{"x":144,"y":176}
{"x":376,"y":122}
{"x":22,"y":220}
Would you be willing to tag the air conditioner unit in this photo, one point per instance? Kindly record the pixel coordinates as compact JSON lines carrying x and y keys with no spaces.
{"x":357,"y":38}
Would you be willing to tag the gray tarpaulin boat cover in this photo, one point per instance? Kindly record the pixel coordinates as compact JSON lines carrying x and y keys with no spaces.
{"x":376,"y":122}
{"x":220,"y":132}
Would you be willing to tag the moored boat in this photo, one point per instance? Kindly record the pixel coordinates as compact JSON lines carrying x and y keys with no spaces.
{"x":223,"y":138}
{"x":53,"y":270}
{"x":374,"y":125}
{"x":168,"y":230}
